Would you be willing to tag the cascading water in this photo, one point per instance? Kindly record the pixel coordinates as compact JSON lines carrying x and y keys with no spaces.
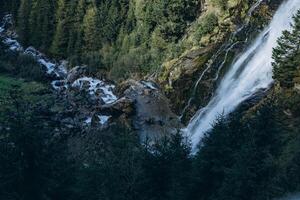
{"x":97,"y":89}
{"x":251,"y":72}
{"x":227,"y":47}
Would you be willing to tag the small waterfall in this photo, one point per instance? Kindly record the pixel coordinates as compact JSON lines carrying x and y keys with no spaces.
{"x":251,"y":72}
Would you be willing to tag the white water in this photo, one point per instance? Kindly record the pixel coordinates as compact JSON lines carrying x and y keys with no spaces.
{"x":251,"y":72}
{"x":96,"y":86}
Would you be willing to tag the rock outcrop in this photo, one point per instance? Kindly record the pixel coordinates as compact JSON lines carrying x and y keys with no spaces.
{"x":75,"y":73}
{"x":153,"y":117}
{"x":190,"y":80}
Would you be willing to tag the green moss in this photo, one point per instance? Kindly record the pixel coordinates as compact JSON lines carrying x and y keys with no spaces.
{"x":201,"y":60}
{"x":207,"y":25}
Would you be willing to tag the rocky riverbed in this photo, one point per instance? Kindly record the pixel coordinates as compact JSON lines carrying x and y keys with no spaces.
{"x":141,"y":105}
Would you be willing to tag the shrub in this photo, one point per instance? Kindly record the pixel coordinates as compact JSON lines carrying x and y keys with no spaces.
{"x":220,"y":3}
{"x":207,"y":25}
{"x":21,"y":65}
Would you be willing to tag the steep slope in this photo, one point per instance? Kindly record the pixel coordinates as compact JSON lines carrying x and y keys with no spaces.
{"x":191,"y":79}
{"x":250,"y":73}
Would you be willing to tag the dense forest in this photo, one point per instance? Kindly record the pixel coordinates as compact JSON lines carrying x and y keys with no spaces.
{"x":122,"y":38}
{"x":106,"y":35}
{"x":252,"y":154}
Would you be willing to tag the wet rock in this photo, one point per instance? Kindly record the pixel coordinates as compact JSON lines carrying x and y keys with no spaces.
{"x":124,"y":105}
{"x":179,"y":77}
{"x":97,"y":89}
{"x":153,"y":117}
{"x":59,"y":85}
{"x":75,"y":73}
{"x":68,"y":122}
{"x":297,"y":87}
{"x":14,"y":45}
{"x":53,"y":69}
{"x":150,"y":85}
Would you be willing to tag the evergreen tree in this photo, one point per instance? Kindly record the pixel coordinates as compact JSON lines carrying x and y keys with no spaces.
{"x":287,"y":55}
{"x":75,"y":43}
{"x":42,"y":23}
{"x":214,"y":156}
{"x":23,"y":21}
{"x":11,"y":7}
{"x":82,"y":30}
{"x":180,"y":168}
{"x":90,"y":29}
{"x":113,"y":170}
{"x":25,"y":161}
{"x":60,"y":40}
{"x":167,"y":167}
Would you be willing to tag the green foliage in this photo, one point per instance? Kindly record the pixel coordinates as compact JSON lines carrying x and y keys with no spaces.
{"x":41,"y":23}
{"x":74,"y":29}
{"x":220,"y":3}
{"x":238,"y":158}
{"x":23,"y":21}
{"x":27,"y":160}
{"x":167,"y":169}
{"x":20,"y":65}
{"x":8,"y":83}
{"x":60,"y":39}
{"x":90,"y":33}
{"x":207,"y":25}
{"x":113,"y":169}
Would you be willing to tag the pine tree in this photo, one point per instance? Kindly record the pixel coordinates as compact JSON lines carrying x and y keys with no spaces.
{"x":90,"y":29}
{"x":287,"y":55}
{"x":75,"y":43}
{"x":60,"y":40}
{"x":215,"y":154}
{"x":167,"y":167}
{"x":23,"y":21}
{"x":42,"y":23}
{"x":25,"y":160}
{"x":180,"y":168}
{"x":9,"y":7}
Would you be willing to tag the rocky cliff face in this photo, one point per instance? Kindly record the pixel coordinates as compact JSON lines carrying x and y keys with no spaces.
{"x":153,"y":117}
{"x":189,"y":81}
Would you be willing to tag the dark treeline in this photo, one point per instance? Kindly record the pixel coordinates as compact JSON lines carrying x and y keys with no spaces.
{"x":10,"y":6}
{"x":256,"y":159}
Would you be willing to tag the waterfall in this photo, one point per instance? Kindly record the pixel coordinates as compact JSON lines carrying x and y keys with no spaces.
{"x":226,"y":47}
{"x":251,"y":72}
